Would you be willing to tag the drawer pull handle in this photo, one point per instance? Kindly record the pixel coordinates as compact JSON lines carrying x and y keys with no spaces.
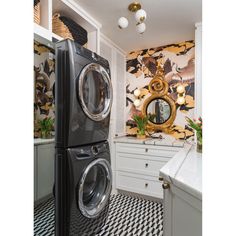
{"x":146,"y":149}
{"x":146,"y":185}
{"x":165,"y":185}
{"x":161,"y":178}
{"x":146,"y":165}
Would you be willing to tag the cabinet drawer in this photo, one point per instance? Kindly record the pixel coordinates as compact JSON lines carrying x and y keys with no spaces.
{"x":139,"y":184}
{"x":145,"y":166}
{"x":162,"y":151}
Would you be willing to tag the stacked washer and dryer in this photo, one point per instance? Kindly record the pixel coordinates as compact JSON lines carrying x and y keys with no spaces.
{"x":83,"y":176}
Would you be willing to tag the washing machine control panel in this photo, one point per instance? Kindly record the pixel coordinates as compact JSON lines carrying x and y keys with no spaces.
{"x":94,"y":56}
{"x":89,"y":151}
{"x":94,"y":150}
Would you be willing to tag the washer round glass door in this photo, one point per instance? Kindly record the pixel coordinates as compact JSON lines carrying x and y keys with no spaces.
{"x":95,"y":188}
{"x":95,"y":91}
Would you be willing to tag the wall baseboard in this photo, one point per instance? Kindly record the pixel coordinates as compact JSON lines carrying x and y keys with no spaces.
{"x":36,"y":203}
{"x":140,"y":196}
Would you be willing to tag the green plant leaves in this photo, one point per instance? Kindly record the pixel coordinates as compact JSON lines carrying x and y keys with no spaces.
{"x":46,"y":124}
{"x":141,"y":122}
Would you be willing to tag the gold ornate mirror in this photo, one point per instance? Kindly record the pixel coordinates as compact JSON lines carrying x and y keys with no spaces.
{"x":160,"y":107}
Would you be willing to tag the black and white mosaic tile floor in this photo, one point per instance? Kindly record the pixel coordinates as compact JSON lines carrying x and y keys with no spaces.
{"x":128,"y":216}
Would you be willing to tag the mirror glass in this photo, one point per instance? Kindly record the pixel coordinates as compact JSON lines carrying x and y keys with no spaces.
{"x":159,"y":111}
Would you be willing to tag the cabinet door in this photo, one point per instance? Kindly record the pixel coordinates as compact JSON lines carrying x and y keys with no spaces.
{"x":35,"y":173}
{"x":117,"y":66}
{"x":120,"y":94}
{"x":106,"y":51}
{"x":167,"y":219}
{"x":117,"y":63}
{"x":182,"y":213}
{"x":198,"y":70}
{"x":186,"y":214}
{"x":45,"y":169}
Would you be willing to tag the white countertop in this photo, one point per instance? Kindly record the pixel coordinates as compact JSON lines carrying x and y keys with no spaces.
{"x":184,"y":170}
{"x":166,"y":141}
{"x":39,"y":141}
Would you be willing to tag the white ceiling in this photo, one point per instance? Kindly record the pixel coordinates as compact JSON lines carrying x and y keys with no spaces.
{"x":168,"y":21}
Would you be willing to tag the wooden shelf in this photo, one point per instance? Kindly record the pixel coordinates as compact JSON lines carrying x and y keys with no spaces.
{"x":57,"y":37}
{"x":44,"y":35}
{"x":42,"y":32}
{"x":72,"y":9}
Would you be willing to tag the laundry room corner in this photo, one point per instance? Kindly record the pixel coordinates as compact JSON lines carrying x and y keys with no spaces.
{"x":115,"y":95}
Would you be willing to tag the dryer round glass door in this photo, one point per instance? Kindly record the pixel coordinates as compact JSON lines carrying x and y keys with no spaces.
{"x":95,"y":91}
{"x":95,"y":188}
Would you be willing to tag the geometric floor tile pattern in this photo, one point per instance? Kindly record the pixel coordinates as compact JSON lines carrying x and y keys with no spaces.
{"x":128,"y":216}
{"x":44,"y":218}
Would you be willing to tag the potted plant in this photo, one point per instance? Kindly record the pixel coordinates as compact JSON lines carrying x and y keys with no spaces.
{"x":141,"y":122}
{"x":197,"y":126}
{"x":46,"y":126}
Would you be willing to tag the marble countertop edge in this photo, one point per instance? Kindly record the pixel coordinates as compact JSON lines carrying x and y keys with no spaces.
{"x":184,"y":171}
{"x":166,"y":141}
{"x":40,"y":141}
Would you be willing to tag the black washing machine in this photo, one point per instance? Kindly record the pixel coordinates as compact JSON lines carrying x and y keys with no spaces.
{"x":86,"y":182}
{"x":83,"y":95}
{"x":83,"y":98}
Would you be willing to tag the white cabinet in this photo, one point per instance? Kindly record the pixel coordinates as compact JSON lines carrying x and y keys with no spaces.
{"x":136,"y":183}
{"x":138,"y":165}
{"x":35,"y":173}
{"x":118,"y":115}
{"x":182,"y":183}
{"x":182,"y":213}
{"x":43,"y":170}
{"x":117,"y":61}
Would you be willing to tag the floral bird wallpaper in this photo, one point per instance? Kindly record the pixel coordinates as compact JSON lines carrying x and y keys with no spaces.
{"x":44,"y":79}
{"x":178,"y":61}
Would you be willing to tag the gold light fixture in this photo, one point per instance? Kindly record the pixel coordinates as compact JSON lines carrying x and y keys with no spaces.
{"x":134,"y":6}
{"x":140,"y":17}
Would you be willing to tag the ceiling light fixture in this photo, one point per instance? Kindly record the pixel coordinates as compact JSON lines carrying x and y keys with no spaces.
{"x":123,"y":23}
{"x":141,"y":27}
{"x":140,"y":17}
{"x":134,"y":6}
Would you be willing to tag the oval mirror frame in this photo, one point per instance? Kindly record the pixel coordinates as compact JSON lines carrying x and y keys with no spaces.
{"x":164,"y":126}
